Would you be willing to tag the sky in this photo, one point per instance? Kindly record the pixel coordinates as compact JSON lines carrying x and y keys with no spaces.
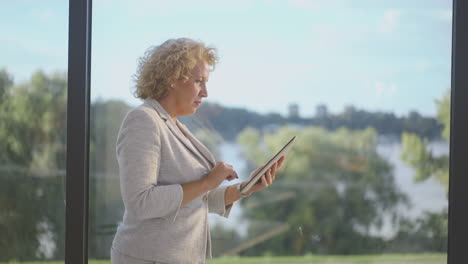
{"x":387,"y":55}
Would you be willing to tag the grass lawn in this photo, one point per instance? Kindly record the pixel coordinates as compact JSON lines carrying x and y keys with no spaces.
{"x":359,"y":259}
{"x":364,"y":259}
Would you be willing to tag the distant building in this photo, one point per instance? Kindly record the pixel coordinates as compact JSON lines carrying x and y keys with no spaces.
{"x":321,"y":111}
{"x":293,"y":111}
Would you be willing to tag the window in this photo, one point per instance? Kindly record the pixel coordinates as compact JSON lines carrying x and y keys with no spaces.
{"x":365,"y":88}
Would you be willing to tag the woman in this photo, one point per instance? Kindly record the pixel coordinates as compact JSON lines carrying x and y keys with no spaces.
{"x":169,"y":180}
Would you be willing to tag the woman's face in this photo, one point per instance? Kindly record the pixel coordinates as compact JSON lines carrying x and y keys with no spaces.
{"x":188,"y":94}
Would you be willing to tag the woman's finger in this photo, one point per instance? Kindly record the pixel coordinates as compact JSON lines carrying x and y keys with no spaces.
{"x":256,"y":171}
{"x":263,"y":182}
{"x":268,"y":176}
{"x":280,"y":161}
{"x":273,"y":171}
{"x":233,"y":174}
{"x":273,"y":176}
{"x":273,"y":168}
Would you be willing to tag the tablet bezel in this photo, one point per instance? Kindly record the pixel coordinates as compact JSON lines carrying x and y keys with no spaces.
{"x":267,"y":165}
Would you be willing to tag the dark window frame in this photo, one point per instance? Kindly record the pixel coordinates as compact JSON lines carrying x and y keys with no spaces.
{"x":79,"y":74}
{"x":78,"y":107}
{"x":458,"y":196}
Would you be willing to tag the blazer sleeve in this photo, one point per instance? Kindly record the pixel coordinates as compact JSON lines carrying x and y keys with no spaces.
{"x":138,"y":155}
{"x":216,"y":202}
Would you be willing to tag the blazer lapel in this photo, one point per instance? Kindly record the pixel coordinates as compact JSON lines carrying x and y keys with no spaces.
{"x":182,"y":133}
{"x":201,"y":148}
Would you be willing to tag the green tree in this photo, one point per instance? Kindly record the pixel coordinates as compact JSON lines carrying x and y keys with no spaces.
{"x":333,"y":191}
{"x":32,"y":162}
{"x":419,"y":156}
{"x":6,"y":86}
{"x":427,"y":233}
{"x":431,"y":229}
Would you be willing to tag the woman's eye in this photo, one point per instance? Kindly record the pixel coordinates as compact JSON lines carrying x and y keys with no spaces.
{"x":198,"y":81}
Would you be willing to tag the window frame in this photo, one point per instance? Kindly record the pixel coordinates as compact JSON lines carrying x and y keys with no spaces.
{"x":458,"y":196}
{"x":78,"y":110}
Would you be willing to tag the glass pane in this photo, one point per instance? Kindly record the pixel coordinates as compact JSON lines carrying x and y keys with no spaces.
{"x":364,"y":86}
{"x":33,"y":104}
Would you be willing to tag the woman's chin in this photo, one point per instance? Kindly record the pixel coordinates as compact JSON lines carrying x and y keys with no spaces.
{"x":195,"y":108}
{"x":191,"y":111}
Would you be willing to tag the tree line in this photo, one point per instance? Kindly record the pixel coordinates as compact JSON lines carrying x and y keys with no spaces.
{"x":230,"y":121}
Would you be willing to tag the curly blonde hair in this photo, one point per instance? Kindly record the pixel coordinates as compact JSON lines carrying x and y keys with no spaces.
{"x":171,"y":61}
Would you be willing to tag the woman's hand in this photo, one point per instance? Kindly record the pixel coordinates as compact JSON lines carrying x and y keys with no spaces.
{"x":266,"y":179}
{"x":220,"y":172}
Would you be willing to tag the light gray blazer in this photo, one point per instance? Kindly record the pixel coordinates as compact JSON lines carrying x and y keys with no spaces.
{"x":156,"y":155}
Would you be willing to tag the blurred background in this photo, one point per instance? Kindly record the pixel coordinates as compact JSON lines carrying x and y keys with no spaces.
{"x":363,"y":84}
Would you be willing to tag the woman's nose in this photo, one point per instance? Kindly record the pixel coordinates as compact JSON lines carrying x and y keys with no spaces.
{"x":204,"y":91}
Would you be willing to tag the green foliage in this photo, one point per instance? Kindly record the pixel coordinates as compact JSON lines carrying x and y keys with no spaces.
{"x":427,"y":233}
{"x":443,"y":114}
{"x":333,"y":190}
{"x":431,"y":230}
{"x":32,"y":160}
{"x":32,"y":206}
{"x":31,"y":114}
{"x":418,"y":155}
{"x":6,"y":82}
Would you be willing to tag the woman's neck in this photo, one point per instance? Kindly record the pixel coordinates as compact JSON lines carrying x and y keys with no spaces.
{"x":168,"y":105}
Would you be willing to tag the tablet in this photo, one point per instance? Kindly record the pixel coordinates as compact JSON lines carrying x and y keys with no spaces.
{"x":267,"y":165}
